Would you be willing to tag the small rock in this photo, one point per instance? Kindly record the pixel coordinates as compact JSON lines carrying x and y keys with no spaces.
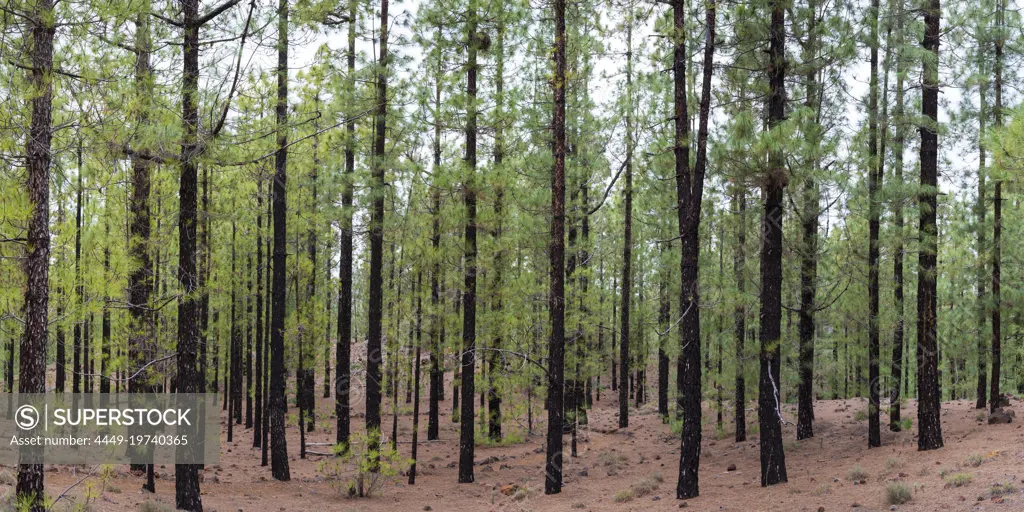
{"x":427,"y":508}
{"x":656,"y":498}
{"x":821,"y":509}
{"x":732,"y":467}
{"x":583,"y":472}
{"x":855,"y":505}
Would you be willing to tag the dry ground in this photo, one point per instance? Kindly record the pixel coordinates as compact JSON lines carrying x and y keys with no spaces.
{"x":612,"y":461}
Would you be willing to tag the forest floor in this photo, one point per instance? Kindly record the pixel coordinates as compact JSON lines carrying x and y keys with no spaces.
{"x":642,"y":458}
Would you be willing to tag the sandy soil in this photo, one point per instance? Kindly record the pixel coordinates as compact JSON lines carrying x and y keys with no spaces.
{"x":610,"y":461}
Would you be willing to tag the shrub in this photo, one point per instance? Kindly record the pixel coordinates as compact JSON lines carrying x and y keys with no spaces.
{"x":975,"y":460}
{"x":857,"y":474}
{"x":897,"y":493}
{"x":624,"y":496}
{"x":893,"y":463}
{"x":155,"y":506}
{"x":364,"y":480}
{"x":959,"y":479}
{"x":998,"y":490}
{"x":644,"y":487}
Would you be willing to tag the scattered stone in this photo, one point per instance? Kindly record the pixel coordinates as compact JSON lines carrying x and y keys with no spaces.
{"x":656,"y":498}
{"x":583,"y":472}
{"x":428,"y":508}
{"x":732,"y":467}
{"x":855,"y":505}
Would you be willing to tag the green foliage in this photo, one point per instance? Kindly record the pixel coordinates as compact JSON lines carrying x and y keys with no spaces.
{"x":357,"y":471}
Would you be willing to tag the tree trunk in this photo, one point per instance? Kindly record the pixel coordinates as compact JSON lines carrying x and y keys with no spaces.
{"x":257,"y":431}
{"x":996,"y":398}
{"x":436,"y":308}
{"x":689,"y":194}
{"x":416,"y":379}
{"x":186,"y":476}
{"x":343,"y":370}
{"x":740,"y":314}
{"x":376,"y":301}
{"x":773,"y":459}
{"x":466,"y":431}
{"x":76,"y":368}
{"x":929,"y":395}
{"x":278,"y":406}
{"x":556,"y":299}
{"x":874,"y":182}
{"x":899,"y":134}
{"x":627,"y":240}
{"x":32,"y":368}
{"x":808,"y":258}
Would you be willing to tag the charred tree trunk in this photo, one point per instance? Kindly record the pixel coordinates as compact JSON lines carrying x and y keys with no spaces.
{"x":874,"y":182}
{"x":343,"y":370}
{"x":773,"y":459}
{"x":278,"y":441}
{"x":32,"y":368}
{"x":929,"y":394}
{"x":187,"y":475}
{"x":740,"y":314}
{"x":808,"y":261}
{"x":436,"y":308}
{"x":627,"y":242}
{"x":76,"y":368}
{"x":466,"y":430}
{"x":996,"y":398}
{"x":896,"y":368}
{"x":257,"y":431}
{"x":376,"y":301}
{"x":689,"y":194}
{"x":556,"y":299}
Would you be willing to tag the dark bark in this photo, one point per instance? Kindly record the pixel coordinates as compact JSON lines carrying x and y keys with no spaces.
{"x":899,"y":135}
{"x":257,"y":431}
{"x":32,"y":367}
{"x":996,"y":399}
{"x":343,"y":370}
{"x":416,"y":379}
{"x":104,"y":377}
{"x":436,"y":308}
{"x":627,"y":241}
{"x":466,"y":431}
{"x":76,"y":368}
{"x":235,"y":382}
{"x":808,"y":258}
{"x":375,"y":307}
{"x":187,"y":475}
{"x":740,"y":315}
{"x":773,"y":459}
{"x":247,"y":370}
{"x":664,"y":322}
{"x":874,"y":182}
{"x":556,"y":298}
{"x":929,"y":394}
{"x":278,"y":442}
{"x":689,"y":195}
{"x":493,"y":396}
